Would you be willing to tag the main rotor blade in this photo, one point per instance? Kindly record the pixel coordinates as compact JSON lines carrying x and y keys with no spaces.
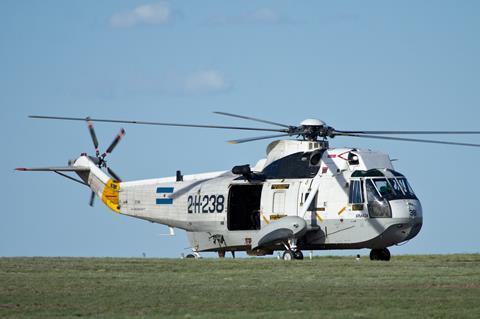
{"x":156,"y":123}
{"x":244,"y":140}
{"x":115,"y":141}
{"x":92,"y":198}
{"x":409,"y":132}
{"x":93,"y":135}
{"x":409,"y":139}
{"x":112,"y":173}
{"x":251,"y":118}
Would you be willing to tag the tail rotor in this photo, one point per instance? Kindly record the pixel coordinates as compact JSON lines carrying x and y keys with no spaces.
{"x":99,"y":160}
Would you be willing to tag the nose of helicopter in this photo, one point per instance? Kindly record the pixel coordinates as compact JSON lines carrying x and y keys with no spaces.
{"x":409,"y":214}
{"x":406,"y":208}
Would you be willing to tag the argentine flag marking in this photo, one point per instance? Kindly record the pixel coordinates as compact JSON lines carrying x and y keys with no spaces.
{"x":163,"y":193}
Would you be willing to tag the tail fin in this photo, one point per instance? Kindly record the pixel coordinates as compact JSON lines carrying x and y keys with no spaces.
{"x":106,"y":188}
{"x":100,"y":183}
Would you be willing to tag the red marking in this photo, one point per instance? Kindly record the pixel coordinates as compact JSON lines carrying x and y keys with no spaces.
{"x":20,"y":169}
{"x":341,"y":155}
{"x":332,"y":155}
{"x":324,"y":170}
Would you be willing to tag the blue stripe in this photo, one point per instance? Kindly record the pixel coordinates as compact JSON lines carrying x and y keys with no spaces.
{"x":164,"y":189}
{"x":164,"y":201}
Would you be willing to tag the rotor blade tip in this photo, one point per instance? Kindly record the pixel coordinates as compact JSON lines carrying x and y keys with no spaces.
{"x":23,"y":169}
{"x":232,"y":142}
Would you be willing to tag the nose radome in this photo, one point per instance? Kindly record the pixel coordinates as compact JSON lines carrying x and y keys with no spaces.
{"x":406,"y":208}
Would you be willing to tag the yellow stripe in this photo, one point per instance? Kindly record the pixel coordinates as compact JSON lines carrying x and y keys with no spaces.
{"x":342,"y":210}
{"x":319,"y":217}
{"x":265,"y":219}
{"x":110,"y":195}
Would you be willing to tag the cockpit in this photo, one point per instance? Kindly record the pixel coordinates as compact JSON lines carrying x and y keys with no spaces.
{"x":380,"y":187}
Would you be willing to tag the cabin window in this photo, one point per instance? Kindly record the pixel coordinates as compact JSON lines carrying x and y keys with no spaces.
{"x":356,"y":192}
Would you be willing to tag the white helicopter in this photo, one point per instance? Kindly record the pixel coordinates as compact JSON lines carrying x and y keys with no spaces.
{"x":302,"y":196}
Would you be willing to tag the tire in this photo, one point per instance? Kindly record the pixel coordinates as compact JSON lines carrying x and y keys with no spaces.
{"x":297,"y":254}
{"x":189,"y":256}
{"x":385,"y":254}
{"x":380,"y":254}
{"x":288,"y":255}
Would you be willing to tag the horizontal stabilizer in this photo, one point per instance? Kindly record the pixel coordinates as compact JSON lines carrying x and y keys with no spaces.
{"x":54,"y":169}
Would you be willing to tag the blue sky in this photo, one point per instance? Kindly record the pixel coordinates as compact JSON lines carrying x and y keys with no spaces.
{"x":354,"y":64}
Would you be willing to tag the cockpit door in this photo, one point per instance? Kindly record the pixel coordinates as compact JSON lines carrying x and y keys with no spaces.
{"x":378,"y":206}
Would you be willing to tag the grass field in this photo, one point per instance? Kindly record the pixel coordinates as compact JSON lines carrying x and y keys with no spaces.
{"x":440,"y":286}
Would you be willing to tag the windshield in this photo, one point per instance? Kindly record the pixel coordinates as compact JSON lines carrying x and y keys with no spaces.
{"x":393,"y":188}
{"x":407,"y":189}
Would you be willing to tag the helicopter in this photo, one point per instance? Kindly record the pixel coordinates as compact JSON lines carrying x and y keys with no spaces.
{"x":304,"y":195}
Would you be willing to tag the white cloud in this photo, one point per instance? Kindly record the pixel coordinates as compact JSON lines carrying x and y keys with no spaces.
{"x":150,"y":14}
{"x":266,"y":15}
{"x":259,"y":16}
{"x":206,"y":81}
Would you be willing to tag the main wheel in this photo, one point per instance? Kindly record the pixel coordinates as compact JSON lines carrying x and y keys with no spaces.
{"x":297,"y":254}
{"x":385,"y":254}
{"x":190,"y":256}
{"x":288,"y":255}
{"x":380,"y":254}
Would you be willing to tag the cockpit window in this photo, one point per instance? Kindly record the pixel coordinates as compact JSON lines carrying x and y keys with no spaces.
{"x":384,"y":188}
{"x":393,"y":188}
{"x":378,"y":206}
{"x":396,"y":186}
{"x":407,"y":189}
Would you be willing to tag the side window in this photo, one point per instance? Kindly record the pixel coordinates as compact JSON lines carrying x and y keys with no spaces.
{"x":356,"y":192}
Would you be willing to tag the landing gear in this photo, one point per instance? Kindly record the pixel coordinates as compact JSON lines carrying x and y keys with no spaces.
{"x":291,"y":250}
{"x":380,"y":254}
{"x":193,"y":255}
{"x":297,"y":254}
{"x":290,"y":254}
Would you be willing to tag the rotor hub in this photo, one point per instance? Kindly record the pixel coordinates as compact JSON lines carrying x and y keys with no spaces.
{"x":313,"y":122}
{"x":312,"y":129}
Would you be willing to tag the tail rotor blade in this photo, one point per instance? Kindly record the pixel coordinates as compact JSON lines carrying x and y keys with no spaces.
{"x":93,"y":135}
{"x":113,"y":174}
{"x":92,"y":198}
{"x":115,"y":142}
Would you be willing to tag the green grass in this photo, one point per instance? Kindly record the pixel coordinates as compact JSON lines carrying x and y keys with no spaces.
{"x":440,"y":286}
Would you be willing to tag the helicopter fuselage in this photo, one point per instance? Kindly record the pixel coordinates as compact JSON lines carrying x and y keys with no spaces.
{"x":348,"y":198}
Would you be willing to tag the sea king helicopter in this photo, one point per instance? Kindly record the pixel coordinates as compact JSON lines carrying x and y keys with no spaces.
{"x":303,"y":196}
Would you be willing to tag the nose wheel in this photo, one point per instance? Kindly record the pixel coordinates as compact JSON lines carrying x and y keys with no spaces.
{"x":291,"y":250}
{"x":380,"y":254}
{"x":292,"y":254}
